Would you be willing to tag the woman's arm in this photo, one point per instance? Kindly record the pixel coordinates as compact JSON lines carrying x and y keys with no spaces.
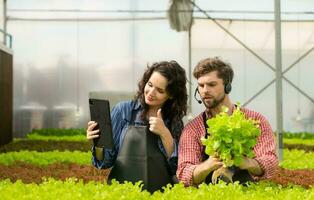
{"x":167,"y":142}
{"x":105,"y":158}
{"x":158,"y":127}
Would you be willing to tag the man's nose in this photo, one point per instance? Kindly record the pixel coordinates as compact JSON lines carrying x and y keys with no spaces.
{"x":206,"y":88}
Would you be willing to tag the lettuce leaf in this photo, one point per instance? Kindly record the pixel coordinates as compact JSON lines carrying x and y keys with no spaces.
{"x":231,"y":137}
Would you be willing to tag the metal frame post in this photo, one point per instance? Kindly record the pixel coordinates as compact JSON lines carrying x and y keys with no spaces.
{"x":279,"y":116}
{"x":4,"y":21}
{"x":190,"y":69}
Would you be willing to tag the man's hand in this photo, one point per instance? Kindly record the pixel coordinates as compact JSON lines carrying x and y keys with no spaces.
{"x":251,"y":165}
{"x":202,"y":170}
{"x":223,"y":173}
{"x":213,"y":163}
{"x":245,"y":164}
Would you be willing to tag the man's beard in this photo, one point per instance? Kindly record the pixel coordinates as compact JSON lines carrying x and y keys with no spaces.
{"x":214,"y":103}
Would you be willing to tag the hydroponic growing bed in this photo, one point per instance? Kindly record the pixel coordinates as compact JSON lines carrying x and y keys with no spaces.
{"x":51,"y":167}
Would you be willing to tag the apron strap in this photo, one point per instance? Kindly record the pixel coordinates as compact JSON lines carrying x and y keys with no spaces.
{"x":205,"y":124}
{"x":205,"y":156}
{"x":132,"y":115}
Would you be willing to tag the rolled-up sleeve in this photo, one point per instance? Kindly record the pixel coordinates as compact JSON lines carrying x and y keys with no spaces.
{"x":190,"y":152}
{"x":108,"y":158}
{"x":265,"y":150}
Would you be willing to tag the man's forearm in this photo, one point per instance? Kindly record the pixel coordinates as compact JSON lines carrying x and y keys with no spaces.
{"x":202,"y":170}
{"x":200,"y":173}
{"x":252,"y":166}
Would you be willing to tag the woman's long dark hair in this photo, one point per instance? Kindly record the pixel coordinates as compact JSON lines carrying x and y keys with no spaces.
{"x":175,"y":107}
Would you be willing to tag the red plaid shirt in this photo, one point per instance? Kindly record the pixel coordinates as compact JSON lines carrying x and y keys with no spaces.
{"x":191,"y":150}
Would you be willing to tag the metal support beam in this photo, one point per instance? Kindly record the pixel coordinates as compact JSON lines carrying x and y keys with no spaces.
{"x":273,"y":81}
{"x":298,"y":89}
{"x":259,"y":92}
{"x":286,"y":79}
{"x":279,"y":115}
{"x":5,"y":21}
{"x":298,"y":60}
{"x":190,"y":71}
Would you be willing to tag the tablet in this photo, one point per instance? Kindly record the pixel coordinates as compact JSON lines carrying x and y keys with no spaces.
{"x":100,"y":113}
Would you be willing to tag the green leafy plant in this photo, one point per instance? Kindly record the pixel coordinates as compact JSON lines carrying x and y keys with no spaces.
{"x":297,"y":159}
{"x":298,"y":135}
{"x":76,"y":189}
{"x":231,"y":137}
{"x":57,"y":132}
{"x":46,"y":158}
{"x":309,"y":142}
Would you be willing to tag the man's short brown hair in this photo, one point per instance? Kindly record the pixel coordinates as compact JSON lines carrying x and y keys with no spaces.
{"x":224,"y":70}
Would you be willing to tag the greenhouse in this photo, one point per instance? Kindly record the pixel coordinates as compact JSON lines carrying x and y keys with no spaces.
{"x":55,"y":56}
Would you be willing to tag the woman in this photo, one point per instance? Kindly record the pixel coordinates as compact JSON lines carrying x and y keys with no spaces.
{"x":146,"y":130}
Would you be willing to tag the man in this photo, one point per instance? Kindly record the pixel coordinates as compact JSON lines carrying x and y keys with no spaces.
{"x":214,"y":79}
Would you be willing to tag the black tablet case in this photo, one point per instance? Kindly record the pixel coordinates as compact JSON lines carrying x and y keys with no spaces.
{"x":100,"y":113}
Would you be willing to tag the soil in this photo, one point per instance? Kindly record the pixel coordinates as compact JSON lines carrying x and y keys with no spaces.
{"x":29,"y":173}
{"x":50,"y":145}
{"x":302,"y":177}
{"x":34,"y":174}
